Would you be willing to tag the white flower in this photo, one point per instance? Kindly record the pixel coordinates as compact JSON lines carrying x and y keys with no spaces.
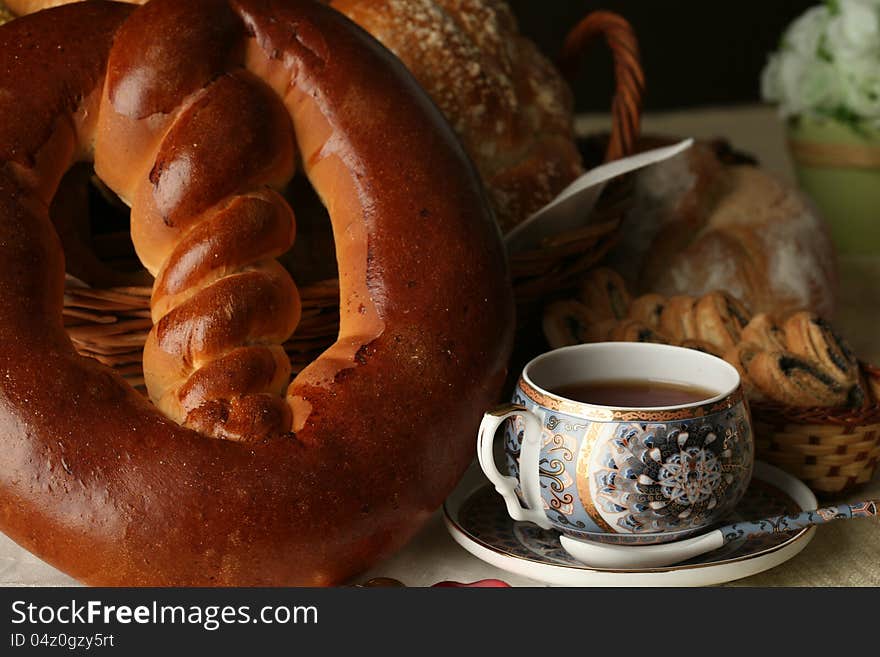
{"x":771,"y":87}
{"x":821,"y":87}
{"x":800,"y":85}
{"x":828,"y":62}
{"x":854,"y":30}
{"x":792,"y":68}
{"x":803,"y":36}
{"x":861,"y":87}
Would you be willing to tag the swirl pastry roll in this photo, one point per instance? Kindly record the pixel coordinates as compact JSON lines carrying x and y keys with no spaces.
{"x":795,"y":381}
{"x":604,"y":293}
{"x":740,"y":356}
{"x":678,"y":320}
{"x":811,"y":337}
{"x":720,"y":320}
{"x":569,"y":322}
{"x":648,"y":308}
{"x":763,"y":330}
{"x":632,"y":330}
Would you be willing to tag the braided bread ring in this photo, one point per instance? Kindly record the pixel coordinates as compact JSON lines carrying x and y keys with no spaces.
{"x":98,"y":482}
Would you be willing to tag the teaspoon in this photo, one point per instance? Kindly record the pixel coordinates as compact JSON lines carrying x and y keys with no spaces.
{"x":606,"y":555}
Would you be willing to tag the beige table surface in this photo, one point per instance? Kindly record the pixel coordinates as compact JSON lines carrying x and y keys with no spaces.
{"x":841,"y":554}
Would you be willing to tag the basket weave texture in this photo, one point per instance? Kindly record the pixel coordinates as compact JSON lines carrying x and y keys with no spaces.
{"x":111,"y":325}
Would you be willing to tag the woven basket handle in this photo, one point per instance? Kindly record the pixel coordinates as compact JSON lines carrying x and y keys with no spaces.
{"x":626,"y":108}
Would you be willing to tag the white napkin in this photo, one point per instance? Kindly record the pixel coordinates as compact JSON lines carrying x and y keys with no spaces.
{"x":572,"y":208}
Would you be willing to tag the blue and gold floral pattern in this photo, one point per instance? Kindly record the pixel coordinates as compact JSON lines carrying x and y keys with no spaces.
{"x":669,"y":475}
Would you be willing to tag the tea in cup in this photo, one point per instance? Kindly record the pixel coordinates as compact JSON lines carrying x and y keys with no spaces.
{"x":622,"y":441}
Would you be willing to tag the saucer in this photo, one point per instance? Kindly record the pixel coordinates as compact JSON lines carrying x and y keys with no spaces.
{"x":477,"y":519}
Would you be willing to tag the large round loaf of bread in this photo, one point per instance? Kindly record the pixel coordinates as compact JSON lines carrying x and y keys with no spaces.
{"x":195,"y":113}
{"x":505,"y":100}
{"x":699,"y":224}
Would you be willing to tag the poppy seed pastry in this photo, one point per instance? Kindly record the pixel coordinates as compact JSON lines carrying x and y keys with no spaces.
{"x":794,"y":381}
{"x":720,"y":319}
{"x":814,"y":338}
{"x":306,"y":484}
{"x":604,"y":292}
{"x":648,"y":308}
{"x":795,"y":359}
{"x":764,"y":331}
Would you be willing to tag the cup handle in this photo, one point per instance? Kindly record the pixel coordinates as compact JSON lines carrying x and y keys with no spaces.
{"x":530,"y":451}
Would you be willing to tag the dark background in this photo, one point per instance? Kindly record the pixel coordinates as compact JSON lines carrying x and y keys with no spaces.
{"x":695,"y":52}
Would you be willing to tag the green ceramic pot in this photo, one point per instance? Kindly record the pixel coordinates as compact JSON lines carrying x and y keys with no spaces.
{"x":838,"y":165}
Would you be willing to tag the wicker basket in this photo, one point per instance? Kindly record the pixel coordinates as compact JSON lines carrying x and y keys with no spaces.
{"x":111,"y":324}
{"x":831,"y":450}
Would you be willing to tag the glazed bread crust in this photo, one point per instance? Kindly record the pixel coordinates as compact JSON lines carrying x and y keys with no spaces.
{"x":22,"y":7}
{"x":371,"y":436}
{"x":505,"y":100}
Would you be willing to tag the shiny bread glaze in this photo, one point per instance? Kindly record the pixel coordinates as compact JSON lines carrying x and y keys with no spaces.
{"x":98,"y":482}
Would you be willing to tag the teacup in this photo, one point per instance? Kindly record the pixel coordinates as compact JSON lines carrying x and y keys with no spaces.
{"x":638,"y":474}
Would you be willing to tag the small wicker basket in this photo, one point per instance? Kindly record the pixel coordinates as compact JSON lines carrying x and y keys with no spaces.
{"x":831,"y":450}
